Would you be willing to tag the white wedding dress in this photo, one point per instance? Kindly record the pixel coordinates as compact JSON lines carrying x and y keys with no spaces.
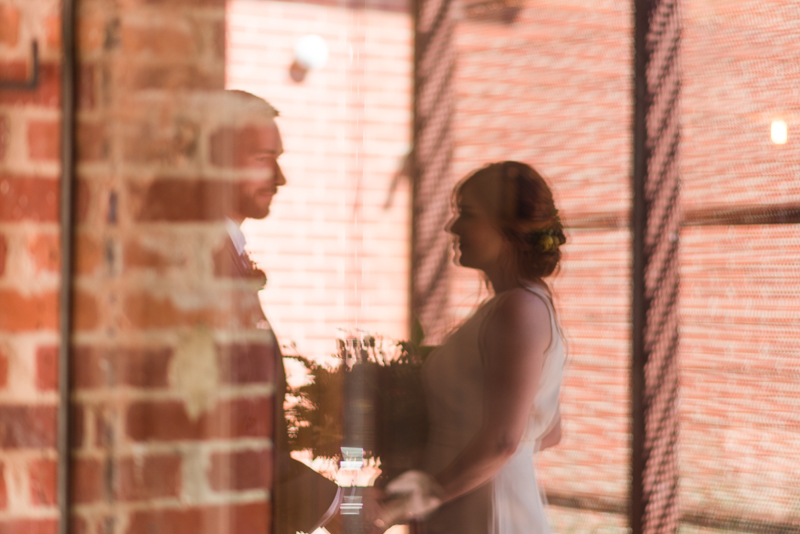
{"x":510,"y":503}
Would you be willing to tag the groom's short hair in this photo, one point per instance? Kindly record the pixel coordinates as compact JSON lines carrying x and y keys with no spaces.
{"x":241,"y":107}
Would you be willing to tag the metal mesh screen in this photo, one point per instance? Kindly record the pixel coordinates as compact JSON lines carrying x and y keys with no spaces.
{"x":548,"y":83}
{"x":740,"y":435}
{"x":655,"y":222}
{"x":433,"y":154}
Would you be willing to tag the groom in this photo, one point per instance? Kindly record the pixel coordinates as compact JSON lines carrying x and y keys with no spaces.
{"x":251,"y":146}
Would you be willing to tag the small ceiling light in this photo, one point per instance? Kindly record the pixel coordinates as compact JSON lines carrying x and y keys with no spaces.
{"x":310,"y":53}
{"x":779,"y":132}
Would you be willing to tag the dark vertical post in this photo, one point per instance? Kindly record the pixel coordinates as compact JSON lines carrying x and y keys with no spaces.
{"x":656,"y":227}
{"x":434,"y":66}
{"x":66,"y":228}
{"x":357,"y":427}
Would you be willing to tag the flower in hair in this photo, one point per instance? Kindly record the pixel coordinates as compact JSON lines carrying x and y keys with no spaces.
{"x":548,"y":242}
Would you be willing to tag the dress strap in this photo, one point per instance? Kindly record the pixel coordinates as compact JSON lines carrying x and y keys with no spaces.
{"x":551,"y":311}
{"x":555,"y":327}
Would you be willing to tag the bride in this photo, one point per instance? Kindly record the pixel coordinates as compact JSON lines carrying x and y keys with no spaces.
{"x":492,"y":388}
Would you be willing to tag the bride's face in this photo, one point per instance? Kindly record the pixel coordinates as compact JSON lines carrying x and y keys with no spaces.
{"x":479,"y":244}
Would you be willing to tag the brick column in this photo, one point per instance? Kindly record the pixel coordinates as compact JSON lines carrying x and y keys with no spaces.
{"x":29,"y":265}
{"x":172,"y":383}
{"x":434,"y":67}
{"x":656,"y":229}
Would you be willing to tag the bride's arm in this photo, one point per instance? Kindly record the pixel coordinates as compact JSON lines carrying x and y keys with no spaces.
{"x":515,"y":337}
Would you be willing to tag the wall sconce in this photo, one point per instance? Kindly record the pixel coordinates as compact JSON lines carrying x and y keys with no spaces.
{"x":779,"y":132}
{"x":310,"y":53}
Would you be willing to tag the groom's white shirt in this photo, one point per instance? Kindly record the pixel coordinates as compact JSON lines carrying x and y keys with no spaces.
{"x":236,"y":235}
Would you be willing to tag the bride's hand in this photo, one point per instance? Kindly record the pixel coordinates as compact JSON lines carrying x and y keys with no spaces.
{"x":412,"y":495}
{"x":372,"y":499}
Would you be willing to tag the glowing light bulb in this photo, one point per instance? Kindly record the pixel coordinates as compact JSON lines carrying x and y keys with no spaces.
{"x":311,"y":52}
{"x":779,"y":132}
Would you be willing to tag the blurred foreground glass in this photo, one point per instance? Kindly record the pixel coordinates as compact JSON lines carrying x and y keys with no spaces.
{"x":203,"y":418}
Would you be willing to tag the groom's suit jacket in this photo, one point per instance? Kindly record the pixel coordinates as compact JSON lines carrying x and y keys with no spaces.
{"x":300,"y":496}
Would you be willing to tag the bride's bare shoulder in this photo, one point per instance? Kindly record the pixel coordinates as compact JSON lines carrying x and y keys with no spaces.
{"x":520,"y":301}
{"x":519,"y":309}
{"x":516,"y":332}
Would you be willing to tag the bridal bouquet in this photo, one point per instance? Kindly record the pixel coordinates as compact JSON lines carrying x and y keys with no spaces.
{"x":372,"y":399}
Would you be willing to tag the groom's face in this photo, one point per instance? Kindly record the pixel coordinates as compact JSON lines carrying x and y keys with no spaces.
{"x":255,"y":150}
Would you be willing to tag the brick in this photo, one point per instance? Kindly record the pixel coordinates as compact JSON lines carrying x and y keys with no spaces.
{"x":98,"y":367}
{"x":88,"y":253}
{"x":47,"y":368}
{"x":44,"y":250}
{"x":27,"y":426}
{"x":235,"y":309}
{"x":137,"y":254}
{"x":241,"y":470}
{"x":86,"y":97}
{"x":253,"y":517}
{"x":3,"y":490}
{"x":43,"y":477}
{"x":175,"y":200}
{"x":161,"y":41}
{"x":85,"y":311}
{"x":28,"y":199}
{"x":3,"y":368}
{"x":90,"y":368}
{"x":93,"y":29}
{"x":24,"y":313}
{"x":185,"y":3}
{"x":47,"y":92}
{"x":79,"y":525}
{"x":3,"y":136}
{"x":145,"y":478}
{"x":3,"y":252}
{"x":242,"y":363}
{"x":87,"y":480}
{"x":44,"y":140}
{"x":104,"y":419}
{"x":91,"y":141}
{"x":9,"y":25}
{"x":167,"y":521}
{"x":83,"y":200}
{"x":77,"y":425}
{"x":52,"y":32}
{"x":144,"y":75}
{"x":166,"y":142}
{"x":169,"y":420}
{"x":143,"y":368}
{"x":147,"y":311}
{"x":28,"y":526}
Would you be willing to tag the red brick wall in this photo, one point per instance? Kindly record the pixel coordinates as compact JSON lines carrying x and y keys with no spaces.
{"x":336,"y":245}
{"x":29,"y":263}
{"x":172,"y":382}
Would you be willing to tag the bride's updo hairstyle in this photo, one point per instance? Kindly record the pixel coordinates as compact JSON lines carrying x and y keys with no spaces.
{"x":523,"y":208}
